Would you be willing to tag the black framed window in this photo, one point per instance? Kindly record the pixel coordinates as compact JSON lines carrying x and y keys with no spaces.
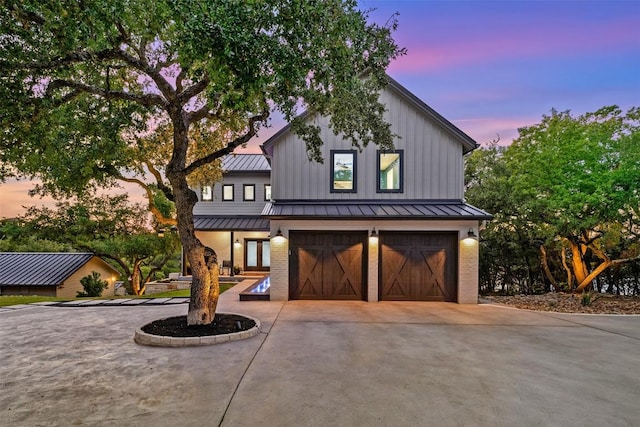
{"x":207,"y":193}
{"x":390,"y":171}
{"x":248,"y":192}
{"x":227,"y":193}
{"x":267,"y":192}
{"x":343,"y":171}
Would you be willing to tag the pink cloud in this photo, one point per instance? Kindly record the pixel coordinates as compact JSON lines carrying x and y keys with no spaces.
{"x":552,"y":39}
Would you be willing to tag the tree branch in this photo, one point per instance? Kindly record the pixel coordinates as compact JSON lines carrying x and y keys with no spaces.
{"x":602,"y":267}
{"x":193,"y":90}
{"x":148,"y":100}
{"x":253,"y":121}
{"x":152,"y":207}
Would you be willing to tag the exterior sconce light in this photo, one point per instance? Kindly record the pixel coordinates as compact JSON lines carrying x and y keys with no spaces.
{"x":279,"y":237}
{"x":373,"y":237}
{"x":236,"y":244}
{"x":471,"y":234}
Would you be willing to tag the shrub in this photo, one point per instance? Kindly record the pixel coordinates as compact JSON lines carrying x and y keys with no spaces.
{"x":92,"y":285}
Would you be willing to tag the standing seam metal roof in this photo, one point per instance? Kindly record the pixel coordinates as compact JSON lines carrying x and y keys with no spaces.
{"x":415,"y":209}
{"x":230,"y":223}
{"x":245,"y":163}
{"x":39,"y":269}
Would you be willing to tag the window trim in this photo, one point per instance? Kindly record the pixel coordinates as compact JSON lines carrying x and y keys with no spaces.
{"x":400,"y":188}
{"x":244,"y":192}
{"x":233,"y":191}
{"x":265,"y":192}
{"x":202,"y":199}
{"x":354,"y":188}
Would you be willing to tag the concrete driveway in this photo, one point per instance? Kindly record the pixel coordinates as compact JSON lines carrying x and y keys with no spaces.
{"x":323,"y":364}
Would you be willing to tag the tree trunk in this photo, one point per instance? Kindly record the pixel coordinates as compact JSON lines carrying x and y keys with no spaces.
{"x":577,"y":261}
{"x":204,"y":273}
{"x":136,"y":278}
{"x":545,"y":267}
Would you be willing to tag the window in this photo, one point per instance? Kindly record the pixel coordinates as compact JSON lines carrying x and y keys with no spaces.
{"x":343,"y":171}
{"x":227,"y":192}
{"x":248,"y":192}
{"x":207,"y":193}
{"x":267,"y":192}
{"x":390,"y":171}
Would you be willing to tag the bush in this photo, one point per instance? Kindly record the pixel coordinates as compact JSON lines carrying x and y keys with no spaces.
{"x":92,"y":285}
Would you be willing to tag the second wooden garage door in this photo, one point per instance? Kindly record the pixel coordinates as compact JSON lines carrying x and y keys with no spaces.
{"x":325,"y":265}
{"x":418,"y":266}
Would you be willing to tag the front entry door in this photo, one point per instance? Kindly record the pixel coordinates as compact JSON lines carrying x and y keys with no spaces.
{"x":257,"y":255}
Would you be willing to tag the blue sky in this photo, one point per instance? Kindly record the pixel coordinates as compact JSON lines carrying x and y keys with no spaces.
{"x":491,"y":67}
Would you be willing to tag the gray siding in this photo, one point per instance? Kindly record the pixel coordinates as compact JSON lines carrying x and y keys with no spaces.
{"x":433,"y":161}
{"x":237,"y":206}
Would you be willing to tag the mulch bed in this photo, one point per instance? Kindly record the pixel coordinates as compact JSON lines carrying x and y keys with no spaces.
{"x":571,"y":303}
{"x":177,"y":326}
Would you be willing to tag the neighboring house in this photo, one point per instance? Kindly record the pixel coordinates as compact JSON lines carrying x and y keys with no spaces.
{"x":51,"y":274}
{"x":364,"y":225}
{"x":227,"y":217}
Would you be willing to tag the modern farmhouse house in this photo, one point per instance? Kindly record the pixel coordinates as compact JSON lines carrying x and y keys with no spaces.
{"x":364,"y":225}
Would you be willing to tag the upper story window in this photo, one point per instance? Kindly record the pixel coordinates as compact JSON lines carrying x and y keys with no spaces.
{"x":207,"y":193}
{"x":343,"y":171}
{"x":227,"y":193}
{"x":248,"y":192}
{"x":390,"y":171}
{"x":267,"y":192}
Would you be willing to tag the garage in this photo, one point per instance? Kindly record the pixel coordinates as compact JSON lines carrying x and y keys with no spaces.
{"x":418,"y":266}
{"x":327,"y":265}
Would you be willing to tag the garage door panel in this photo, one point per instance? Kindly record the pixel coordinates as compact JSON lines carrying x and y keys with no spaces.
{"x":327,"y":265}
{"x":311,"y":265}
{"x":418,"y":266}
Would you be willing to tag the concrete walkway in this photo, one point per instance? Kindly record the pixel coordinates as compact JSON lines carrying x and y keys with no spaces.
{"x":323,"y":364}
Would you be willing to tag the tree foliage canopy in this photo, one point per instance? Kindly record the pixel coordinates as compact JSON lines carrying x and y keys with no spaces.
{"x":84,"y":85}
{"x":566,"y":199}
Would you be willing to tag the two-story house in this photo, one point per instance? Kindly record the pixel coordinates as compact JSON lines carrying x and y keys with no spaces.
{"x":228,"y":216}
{"x":375,"y":225}
{"x":364,"y":225}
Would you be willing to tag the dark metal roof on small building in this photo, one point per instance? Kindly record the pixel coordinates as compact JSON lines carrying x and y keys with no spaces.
{"x":39,"y":269}
{"x":406,"y":209}
{"x":245,"y":163}
{"x":230,"y":223}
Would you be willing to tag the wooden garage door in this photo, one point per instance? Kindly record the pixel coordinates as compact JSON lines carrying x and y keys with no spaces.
{"x":327,"y":265}
{"x":418,"y":266}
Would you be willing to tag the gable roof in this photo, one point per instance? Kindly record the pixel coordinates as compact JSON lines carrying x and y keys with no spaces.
{"x":245,"y":163}
{"x":467,"y":142}
{"x":40,"y":269}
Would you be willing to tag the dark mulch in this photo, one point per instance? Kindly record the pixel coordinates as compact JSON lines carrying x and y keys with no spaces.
{"x":571,"y":303}
{"x":177,"y":326}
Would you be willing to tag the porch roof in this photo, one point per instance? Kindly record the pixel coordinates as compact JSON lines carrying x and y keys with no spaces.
{"x":388,"y":209}
{"x":230,"y":223}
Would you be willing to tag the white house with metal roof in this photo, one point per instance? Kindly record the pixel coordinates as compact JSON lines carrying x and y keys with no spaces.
{"x":55,"y":274}
{"x":369,"y":225}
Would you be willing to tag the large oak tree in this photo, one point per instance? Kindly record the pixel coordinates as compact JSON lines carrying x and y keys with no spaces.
{"x":83,"y":83}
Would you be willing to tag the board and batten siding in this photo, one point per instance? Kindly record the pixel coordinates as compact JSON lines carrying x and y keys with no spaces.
{"x":433,"y":161}
{"x":237,"y":206}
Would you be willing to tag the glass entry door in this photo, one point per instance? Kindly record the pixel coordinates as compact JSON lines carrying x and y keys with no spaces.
{"x":257,"y":256}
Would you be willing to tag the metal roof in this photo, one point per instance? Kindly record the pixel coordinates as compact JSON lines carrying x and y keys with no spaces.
{"x":406,"y":209}
{"x":467,"y":142}
{"x":39,"y":269}
{"x":230,"y":223}
{"x":245,"y":163}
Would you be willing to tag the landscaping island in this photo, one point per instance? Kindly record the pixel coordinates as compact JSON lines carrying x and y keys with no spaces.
{"x":570,"y":303}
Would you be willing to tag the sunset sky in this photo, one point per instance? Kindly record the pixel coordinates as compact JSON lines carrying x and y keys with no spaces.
{"x":491,"y":67}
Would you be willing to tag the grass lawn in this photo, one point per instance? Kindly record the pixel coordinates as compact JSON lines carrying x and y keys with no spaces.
{"x":6,"y":300}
